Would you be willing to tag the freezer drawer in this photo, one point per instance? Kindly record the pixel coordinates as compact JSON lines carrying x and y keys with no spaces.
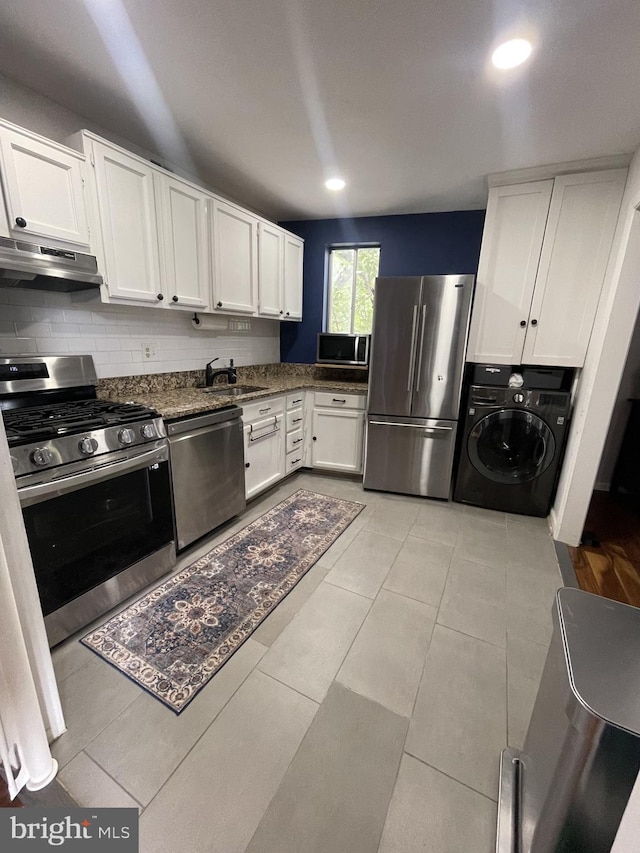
{"x":414,"y":457}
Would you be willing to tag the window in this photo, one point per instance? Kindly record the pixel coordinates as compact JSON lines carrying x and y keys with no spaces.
{"x":352,"y":278}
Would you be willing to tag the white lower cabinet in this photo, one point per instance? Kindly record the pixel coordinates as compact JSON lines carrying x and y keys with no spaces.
{"x":263,"y":453}
{"x":337,"y":439}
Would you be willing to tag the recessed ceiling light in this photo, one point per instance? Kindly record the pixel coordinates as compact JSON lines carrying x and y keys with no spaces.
{"x":335,"y":184}
{"x":511,"y":53}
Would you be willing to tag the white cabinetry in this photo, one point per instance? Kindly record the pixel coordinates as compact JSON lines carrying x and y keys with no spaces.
{"x":264,"y":448}
{"x":185,"y":259}
{"x":270,"y":270}
{"x":337,"y":432}
{"x":293,"y":255}
{"x":296,"y":431}
{"x":235,"y":263}
{"x":43,"y":186}
{"x":126,"y":206}
{"x":544,"y":253}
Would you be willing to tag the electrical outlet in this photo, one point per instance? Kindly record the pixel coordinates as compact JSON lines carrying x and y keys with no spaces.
{"x":150,"y":352}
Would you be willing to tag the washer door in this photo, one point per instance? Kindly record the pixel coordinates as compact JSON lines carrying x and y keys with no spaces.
{"x":511,"y":446}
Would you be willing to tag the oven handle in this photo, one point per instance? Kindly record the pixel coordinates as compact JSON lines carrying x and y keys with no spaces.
{"x":53,"y":488}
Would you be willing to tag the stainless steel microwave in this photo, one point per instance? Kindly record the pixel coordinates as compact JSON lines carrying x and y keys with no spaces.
{"x":336,"y":348}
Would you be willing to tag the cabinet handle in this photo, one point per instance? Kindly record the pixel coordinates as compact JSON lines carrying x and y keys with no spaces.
{"x":534,"y":322}
{"x":297,"y":401}
{"x":174,"y":298}
{"x":20,"y":222}
{"x":294,"y":461}
{"x":523,"y":323}
{"x":297,"y":441}
{"x":218,"y":304}
{"x":263,"y":411}
{"x":160,"y":297}
{"x":335,"y":400}
{"x":296,"y":420}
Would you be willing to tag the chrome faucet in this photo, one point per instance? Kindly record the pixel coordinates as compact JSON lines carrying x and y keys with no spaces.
{"x":211,"y":375}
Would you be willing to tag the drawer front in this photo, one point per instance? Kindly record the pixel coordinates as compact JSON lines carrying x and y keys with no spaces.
{"x":294,"y":441}
{"x":262,"y":409}
{"x":295,"y":400}
{"x":340,"y":401}
{"x":293,"y":461}
{"x":295,"y":419}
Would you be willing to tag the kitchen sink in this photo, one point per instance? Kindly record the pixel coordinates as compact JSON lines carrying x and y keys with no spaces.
{"x":234,"y":390}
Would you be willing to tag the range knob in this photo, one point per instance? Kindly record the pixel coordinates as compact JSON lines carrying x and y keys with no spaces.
{"x":149,"y":431}
{"x":87,"y":446}
{"x":126,"y":436}
{"x":518,"y":398}
{"x":42,"y":456}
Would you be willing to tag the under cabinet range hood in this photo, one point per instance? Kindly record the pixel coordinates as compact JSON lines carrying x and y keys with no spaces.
{"x":38,"y":267}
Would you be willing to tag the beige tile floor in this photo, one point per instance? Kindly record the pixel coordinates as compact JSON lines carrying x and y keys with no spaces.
{"x":367,"y":713}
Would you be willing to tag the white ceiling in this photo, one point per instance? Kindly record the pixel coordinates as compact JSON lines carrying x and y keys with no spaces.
{"x":265,"y":99}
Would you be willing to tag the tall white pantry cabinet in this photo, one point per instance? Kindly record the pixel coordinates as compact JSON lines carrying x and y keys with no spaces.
{"x":544,"y":253}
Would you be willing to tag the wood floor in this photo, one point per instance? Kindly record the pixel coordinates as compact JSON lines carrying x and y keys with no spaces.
{"x":610,"y":565}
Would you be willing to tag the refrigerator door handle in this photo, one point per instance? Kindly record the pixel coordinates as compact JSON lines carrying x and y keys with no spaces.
{"x":422,"y":330}
{"x":412,"y":357}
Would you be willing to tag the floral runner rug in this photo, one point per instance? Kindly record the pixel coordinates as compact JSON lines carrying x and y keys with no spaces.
{"x":174,"y":639}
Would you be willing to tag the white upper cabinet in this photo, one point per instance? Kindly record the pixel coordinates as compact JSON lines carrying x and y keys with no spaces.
{"x":511,"y":243}
{"x":577,"y":243}
{"x":43,"y":189}
{"x":183,"y":243}
{"x":293,"y":255}
{"x":544,"y":253}
{"x":127,"y":214}
{"x":270,"y":270}
{"x":235,"y":263}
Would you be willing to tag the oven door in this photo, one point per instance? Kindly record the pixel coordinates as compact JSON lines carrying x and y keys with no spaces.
{"x":98,"y":536}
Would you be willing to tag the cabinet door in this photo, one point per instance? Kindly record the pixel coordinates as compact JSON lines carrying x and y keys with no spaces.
{"x":293,"y":256}
{"x":263,"y":454}
{"x":127,"y":211}
{"x":511,"y":244}
{"x":270,"y":270}
{"x":577,"y":243}
{"x":43,"y":184}
{"x":234,"y":259}
{"x":185,"y":275}
{"x":337,"y":439}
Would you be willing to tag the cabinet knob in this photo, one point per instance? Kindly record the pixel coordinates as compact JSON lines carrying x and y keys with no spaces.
{"x":523,"y":323}
{"x":218,"y":304}
{"x":315,"y":438}
{"x":247,"y":464}
{"x":174,"y":298}
{"x":534,"y":322}
{"x":282,"y":312}
{"x":160,"y":297}
{"x":287,"y":313}
{"x":20,"y":222}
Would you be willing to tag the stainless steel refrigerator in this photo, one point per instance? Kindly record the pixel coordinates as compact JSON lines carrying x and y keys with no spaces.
{"x":420,"y":327}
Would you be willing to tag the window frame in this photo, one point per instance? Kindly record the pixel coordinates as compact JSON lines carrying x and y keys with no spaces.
{"x":334,"y":247}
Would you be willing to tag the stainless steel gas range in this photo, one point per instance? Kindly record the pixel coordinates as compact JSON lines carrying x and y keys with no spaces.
{"x":94,"y":486}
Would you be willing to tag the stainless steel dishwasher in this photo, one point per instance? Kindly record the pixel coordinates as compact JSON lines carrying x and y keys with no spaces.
{"x":207,"y":470}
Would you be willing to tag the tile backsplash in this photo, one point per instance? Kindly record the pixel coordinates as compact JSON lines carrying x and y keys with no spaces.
{"x":37,"y":322}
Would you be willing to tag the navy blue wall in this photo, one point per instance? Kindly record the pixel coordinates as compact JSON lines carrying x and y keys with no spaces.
{"x":417,"y":244}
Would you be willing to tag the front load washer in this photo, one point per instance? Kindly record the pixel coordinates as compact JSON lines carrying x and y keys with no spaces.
{"x":511,"y":449}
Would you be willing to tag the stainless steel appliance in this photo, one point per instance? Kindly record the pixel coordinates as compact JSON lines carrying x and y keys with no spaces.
{"x":207,"y":465}
{"x":94,"y":487}
{"x":37,"y":267}
{"x":420,"y":329}
{"x":335,"y":348}
{"x":512,"y":445}
{"x":569,"y":786}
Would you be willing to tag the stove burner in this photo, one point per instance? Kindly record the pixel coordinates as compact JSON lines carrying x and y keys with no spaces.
{"x":31,"y":424}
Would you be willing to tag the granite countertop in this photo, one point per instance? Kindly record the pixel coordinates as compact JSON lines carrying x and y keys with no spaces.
{"x":180,"y":402}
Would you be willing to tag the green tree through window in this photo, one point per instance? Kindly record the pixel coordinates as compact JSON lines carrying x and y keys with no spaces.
{"x":352,"y":278}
